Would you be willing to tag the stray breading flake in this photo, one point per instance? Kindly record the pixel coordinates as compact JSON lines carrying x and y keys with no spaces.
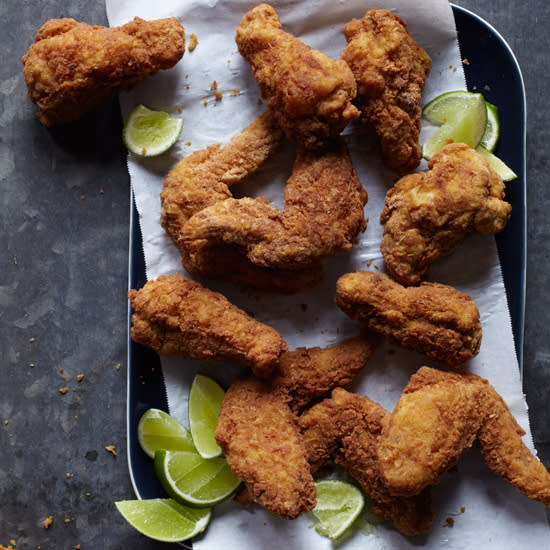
{"x":48,"y":522}
{"x":193,"y":42}
{"x":111,"y":449}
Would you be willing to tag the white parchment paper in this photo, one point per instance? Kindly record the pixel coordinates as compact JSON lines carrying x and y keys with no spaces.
{"x":488,"y":513}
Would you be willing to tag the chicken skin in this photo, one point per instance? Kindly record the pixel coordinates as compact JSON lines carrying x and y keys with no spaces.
{"x":73,"y":67}
{"x":438,"y":417}
{"x":176,"y":316}
{"x":390,"y":69}
{"x":310,"y":93}
{"x":203,"y":179}
{"x":323,"y":213}
{"x":433,"y":319}
{"x":427,"y":214}
{"x":347,"y":429}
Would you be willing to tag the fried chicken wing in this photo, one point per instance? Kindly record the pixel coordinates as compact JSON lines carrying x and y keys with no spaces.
{"x":73,"y":67}
{"x":390,"y":69}
{"x":176,"y":316}
{"x":427,"y":214}
{"x":347,"y":428}
{"x":258,"y":435}
{"x":439,"y":416}
{"x":434,"y":319}
{"x":203,"y":179}
{"x":310,"y":93}
{"x":323,"y":213}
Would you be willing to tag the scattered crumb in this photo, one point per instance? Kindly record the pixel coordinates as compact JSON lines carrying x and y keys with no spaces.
{"x":450,"y":522}
{"x":32,"y":365}
{"x":180,"y":110}
{"x":63,"y":390}
{"x":82,"y":197}
{"x":15,"y":260}
{"x":454,"y":69}
{"x":218,"y":95}
{"x":77,"y":547}
{"x":117,"y":366}
{"x":193,"y":41}
{"x":101,"y":191}
{"x":188,"y":143}
{"x":235,"y":91}
{"x":214,"y":85}
{"x":6,"y":422}
{"x":205,"y":102}
{"x":67,"y":520}
{"x":463,"y":509}
{"x":80,"y":377}
{"x":111,"y":449}
{"x":465,"y":61}
{"x":31,"y":340}
{"x":48,"y":522}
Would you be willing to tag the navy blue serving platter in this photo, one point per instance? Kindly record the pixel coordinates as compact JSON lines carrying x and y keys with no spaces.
{"x":491,"y":68}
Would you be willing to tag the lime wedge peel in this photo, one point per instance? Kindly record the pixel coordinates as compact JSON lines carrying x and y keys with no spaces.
{"x":339,"y":503}
{"x":205,"y":403}
{"x":164,"y":519}
{"x":193,"y":480}
{"x":149,"y":133}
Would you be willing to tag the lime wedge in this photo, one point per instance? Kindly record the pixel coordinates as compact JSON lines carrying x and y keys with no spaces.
{"x":463,"y":116}
{"x":193,"y":480}
{"x":490,"y":136}
{"x":506,"y":173}
{"x":158,"y":430}
{"x":149,"y":133}
{"x":205,"y":403}
{"x":164,"y":519}
{"x":339,"y":503}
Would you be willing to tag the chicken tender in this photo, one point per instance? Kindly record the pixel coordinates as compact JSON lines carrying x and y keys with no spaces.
{"x":433,"y":319}
{"x":347,"y":428}
{"x":258,"y":435}
{"x":73,"y":67}
{"x":438,"y":417}
{"x":323,"y":214}
{"x":176,"y":316}
{"x":390,"y":69}
{"x":427,"y":214}
{"x":310,"y":93}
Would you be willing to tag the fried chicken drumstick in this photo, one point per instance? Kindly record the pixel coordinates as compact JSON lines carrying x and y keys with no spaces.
{"x":73,"y":67}
{"x":310,"y":93}
{"x":433,"y":319}
{"x":390,"y":69}
{"x":427,"y":214}
{"x":176,"y":316}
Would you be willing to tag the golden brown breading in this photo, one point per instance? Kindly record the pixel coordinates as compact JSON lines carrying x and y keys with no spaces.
{"x":323,"y":214}
{"x":203,"y":179}
{"x":433,"y":319}
{"x":310,"y":93}
{"x":427,"y":214}
{"x":258,"y":435}
{"x":439,"y":416}
{"x":176,"y":316}
{"x":348,"y":428}
{"x":390,"y":69}
{"x":73,"y":67}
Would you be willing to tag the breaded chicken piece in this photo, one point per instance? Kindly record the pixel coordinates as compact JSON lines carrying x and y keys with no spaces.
{"x":258,"y":435}
{"x":438,"y":417}
{"x":310,"y":93}
{"x":347,"y":428}
{"x":73,"y":67}
{"x":176,"y":316}
{"x":433,"y":319}
{"x":427,"y":214}
{"x":203,"y":179}
{"x":390,"y":69}
{"x":323,"y":214}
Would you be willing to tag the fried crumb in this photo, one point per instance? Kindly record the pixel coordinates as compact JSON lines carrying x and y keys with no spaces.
{"x":101,"y":191}
{"x":80,"y":377}
{"x":15,"y":260}
{"x":31,"y":340}
{"x":188,"y":143}
{"x":235,"y":91}
{"x":218,"y":95}
{"x":450,"y":522}
{"x":82,"y":197}
{"x":111,"y":449}
{"x":214,"y":85}
{"x":465,"y":61}
{"x":63,"y":390}
{"x":205,"y":102}
{"x":48,"y":522}
{"x":77,"y":547}
{"x":463,"y":509}
{"x":193,"y":41}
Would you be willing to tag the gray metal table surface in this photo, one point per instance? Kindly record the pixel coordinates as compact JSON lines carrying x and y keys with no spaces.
{"x":64,"y":235}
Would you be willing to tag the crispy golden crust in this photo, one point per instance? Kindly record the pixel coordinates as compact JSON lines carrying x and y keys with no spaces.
{"x":72,"y":67}
{"x":176,"y":316}
{"x":390,"y":69}
{"x":309,"y":92}
{"x":258,"y":435}
{"x":439,"y":416}
{"x":433,"y":319}
{"x":347,"y":428}
{"x":323,"y":214}
{"x":427,"y":214}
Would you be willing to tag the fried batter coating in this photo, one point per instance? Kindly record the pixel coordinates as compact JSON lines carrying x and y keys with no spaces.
{"x":348,"y":428}
{"x":433,"y":319}
{"x":73,"y":67}
{"x":203,"y":179}
{"x":323,"y":213}
{"x":310,"y":93}
{"x":176,"y":316}
{"x":427,"y":214}
{"x":438,"y":417}
{"x":390,"y":69}
{"x":258,"y":435}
